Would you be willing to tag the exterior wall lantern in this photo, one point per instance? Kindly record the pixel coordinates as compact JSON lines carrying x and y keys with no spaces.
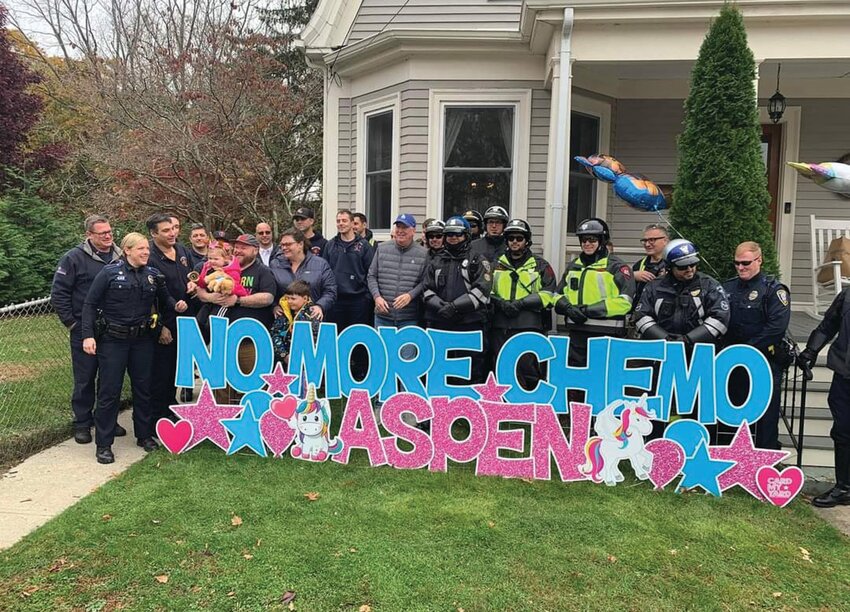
{"x":776,"y":105}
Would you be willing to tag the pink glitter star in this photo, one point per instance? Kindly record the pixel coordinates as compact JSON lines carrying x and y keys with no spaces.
{"x":278,"y":381}
{"x":205,"y":416}
{"x":491,"y":391}
{"x":748,"y":459}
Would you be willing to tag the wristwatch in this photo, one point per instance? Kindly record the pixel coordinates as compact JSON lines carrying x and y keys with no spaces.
{"x":238,"y":300}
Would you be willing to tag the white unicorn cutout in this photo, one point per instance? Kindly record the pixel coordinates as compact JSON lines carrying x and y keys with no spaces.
{"x":311,"y":421}
{"x":618,"y":439}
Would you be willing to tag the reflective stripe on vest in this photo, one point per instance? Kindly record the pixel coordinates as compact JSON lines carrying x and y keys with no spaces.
{"x":516,"y":283}
{"x":595,"y":284}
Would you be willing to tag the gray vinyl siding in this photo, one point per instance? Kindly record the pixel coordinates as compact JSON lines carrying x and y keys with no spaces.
{"x":377,"y":15}
{"x":824,"y":136}
{"x":644,"y":140}
{"x":347,"y":148}
{"x":413,"y":145}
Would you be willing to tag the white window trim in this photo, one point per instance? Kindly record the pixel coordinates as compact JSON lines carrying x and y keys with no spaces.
{"x":602,"y":111}
{"x":439,"y":100}
{"x":364,"y":111}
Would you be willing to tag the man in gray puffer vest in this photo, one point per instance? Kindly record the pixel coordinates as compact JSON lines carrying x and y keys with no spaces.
{"x":396,"y":278}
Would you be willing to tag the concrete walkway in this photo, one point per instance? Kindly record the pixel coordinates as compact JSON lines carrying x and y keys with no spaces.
{"x":43,"y":486}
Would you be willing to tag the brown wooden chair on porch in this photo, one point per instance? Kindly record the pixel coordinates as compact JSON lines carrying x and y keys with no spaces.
{"x":825,"y":231}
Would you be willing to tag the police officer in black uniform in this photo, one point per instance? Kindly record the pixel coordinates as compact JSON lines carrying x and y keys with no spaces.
{"x":118,"y":327}
{"x":71,"y":283}
{"x":457,"y":291}
{"x":835,"y":321}
{"x":492,"y":242}
{"x":433,"y":236}
{"x":760,"y":314}
{"x":685,"y":305}
{"x":475,"y":220}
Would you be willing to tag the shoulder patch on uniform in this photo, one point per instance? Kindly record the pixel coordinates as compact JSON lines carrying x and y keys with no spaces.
{"x":626,"y":271}
{"x":61,"y":270}
{"x":695,"y":292}
{"x":151,"y":279}
{"x":486,"y":265}
{"x":783,"y":296}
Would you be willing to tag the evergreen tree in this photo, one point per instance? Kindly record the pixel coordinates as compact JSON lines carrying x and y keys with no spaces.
{"x":721,"y":197}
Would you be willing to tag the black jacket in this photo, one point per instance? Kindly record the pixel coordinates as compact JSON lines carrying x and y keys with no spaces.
{"x":761,"y":311}
{"x":488,"y":247}
{"x":835,"y":321}
{"x":73,"y":278}
{"x":176,"y":274}
{"x":697,"y":309}
{"x":462,"y":279}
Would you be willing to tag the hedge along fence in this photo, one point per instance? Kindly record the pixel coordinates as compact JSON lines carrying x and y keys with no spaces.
{"x":35,"y":380}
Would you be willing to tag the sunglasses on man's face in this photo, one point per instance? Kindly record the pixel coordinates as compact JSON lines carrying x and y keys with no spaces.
{"x":743,"y":264}
{"x":263,"y":233}
{"x":434,"y":236}
{"x":515,"y":238}
{"x":590,"y":239}
{"x":686,"y":267}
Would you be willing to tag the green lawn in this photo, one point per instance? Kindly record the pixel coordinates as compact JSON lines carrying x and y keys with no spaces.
{"x":35,"y":385}
{"x":394,"y":540}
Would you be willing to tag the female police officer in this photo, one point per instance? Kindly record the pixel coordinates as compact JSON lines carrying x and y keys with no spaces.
{"x":124,"y":293}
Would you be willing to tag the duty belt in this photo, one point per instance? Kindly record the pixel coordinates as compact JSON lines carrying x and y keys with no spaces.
{"x":127,"y":331}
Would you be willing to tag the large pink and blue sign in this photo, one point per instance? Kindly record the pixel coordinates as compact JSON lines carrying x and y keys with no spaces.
{"x":281,"y":412}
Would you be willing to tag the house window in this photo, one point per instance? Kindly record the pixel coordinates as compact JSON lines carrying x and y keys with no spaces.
{"x":478,"y":143}
{"x":584,"y":140}
{"x":379,"y":169}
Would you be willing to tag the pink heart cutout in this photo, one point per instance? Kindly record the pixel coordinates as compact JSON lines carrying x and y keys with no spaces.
{"x":276,"y":432}
{"x":174,"y":436}
{"x":668,"y":458}
{"x":284,"y":408}
{"x":780,"y":487}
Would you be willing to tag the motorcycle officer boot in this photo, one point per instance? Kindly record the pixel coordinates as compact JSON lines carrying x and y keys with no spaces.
{"x":839,"y":495}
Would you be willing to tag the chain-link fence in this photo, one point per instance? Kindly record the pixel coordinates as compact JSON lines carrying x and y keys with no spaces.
{"x":35,"y":380}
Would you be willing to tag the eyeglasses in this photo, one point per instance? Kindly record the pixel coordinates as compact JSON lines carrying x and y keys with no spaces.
{"x":686,"y":266}
{"x":102,"y":234}
{"x":651,"y":239}
{"x":590,"y":239}
{"x":285,"y":245}
{"x":515,"y":238}
{"x":743,"y":264}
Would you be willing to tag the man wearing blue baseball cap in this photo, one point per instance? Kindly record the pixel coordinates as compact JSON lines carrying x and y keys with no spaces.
{"x":396,"y":276}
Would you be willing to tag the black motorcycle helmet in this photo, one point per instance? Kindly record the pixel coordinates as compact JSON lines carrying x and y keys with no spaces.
{"x":518,"y":226}
{"x":594,"y":227}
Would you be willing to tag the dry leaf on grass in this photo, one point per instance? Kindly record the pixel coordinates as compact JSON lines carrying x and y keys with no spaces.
{"x":674,"y":552}
{"x":807,"y":556}
{"x":312,"y":496}
{"x":612,"y":559}
{"x":248,"y":556}
{"x":29,"y":591}
{"x":491,"y":524}
{"x":162,"y":578}
{"x":287,"y":597}
{"x":236,"y":520}
{"x":777,"y":594}
{"x":352,"y":550}
{"x":365,"y":608}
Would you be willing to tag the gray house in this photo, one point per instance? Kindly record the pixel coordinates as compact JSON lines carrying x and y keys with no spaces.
{"x":436,"y":106}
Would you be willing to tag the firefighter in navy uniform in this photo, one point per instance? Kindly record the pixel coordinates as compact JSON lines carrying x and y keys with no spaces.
{"x":522,"y":285}
{"x":123,"y":337}
{"x":457,"y":291}
{"x":596,"y":292}
{"x":835,"y":321}
{"x":760,"y":314}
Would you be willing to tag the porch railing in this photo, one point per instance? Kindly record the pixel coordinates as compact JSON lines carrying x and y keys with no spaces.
{"x":793,"y":408}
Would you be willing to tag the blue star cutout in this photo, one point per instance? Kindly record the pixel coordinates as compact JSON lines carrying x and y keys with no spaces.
{"x":246,"y":432}
{"x":701,"y":470}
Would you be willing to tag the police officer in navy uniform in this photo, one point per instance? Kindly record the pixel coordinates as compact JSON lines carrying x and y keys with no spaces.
{"x":475,"y":220}
{"x":835,"y":321}
{"x":71,"y":282}
{"x":173,"y":261}
{"x":118,"y":327}
{"x":760,"y":314}
{"x":457,"y":291}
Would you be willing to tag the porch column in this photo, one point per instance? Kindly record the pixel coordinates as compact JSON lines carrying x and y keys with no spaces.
{"x":759,"y":62}
{"x":553,"y":248}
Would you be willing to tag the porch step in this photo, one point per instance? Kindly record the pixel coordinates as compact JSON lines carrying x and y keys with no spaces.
{"x":812,"y":458}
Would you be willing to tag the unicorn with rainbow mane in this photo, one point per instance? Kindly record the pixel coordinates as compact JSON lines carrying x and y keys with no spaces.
{"x":617,"y":440}
{"x":311,"y":421}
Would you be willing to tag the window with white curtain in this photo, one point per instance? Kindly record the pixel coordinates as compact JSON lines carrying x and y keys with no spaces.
{"x":478,"y":157}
